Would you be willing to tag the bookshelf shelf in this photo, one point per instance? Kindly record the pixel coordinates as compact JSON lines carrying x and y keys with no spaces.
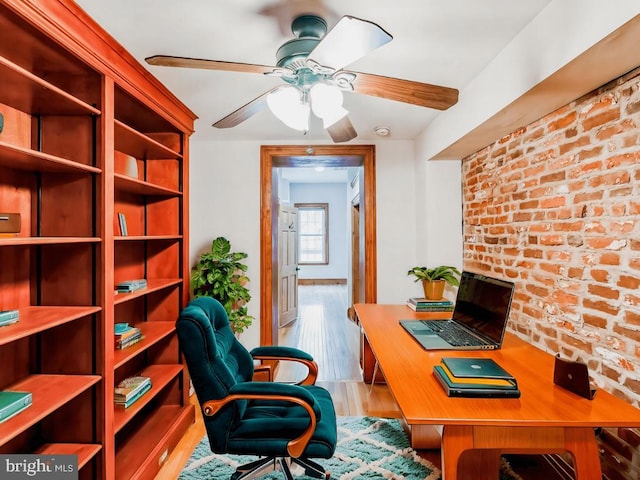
{"x":169,"y":423}
{"x":27,"y":92}
{"x":76,"y":108}
{"x":25,"y":241}
{"x":40,"y":318}
{"x":146,"y":238}
{"x":139,"y":145}
{"x":49,"y":392}
{"x":133,"y":185}
{"x":20,"y":158}
{"x":85,"y":452}
{"x":160,"y":376}
{"x":152,"y":286}
{"x":153,"y":333}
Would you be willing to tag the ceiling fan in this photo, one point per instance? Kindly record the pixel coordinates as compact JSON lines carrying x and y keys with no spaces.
{"x":311,"y":66}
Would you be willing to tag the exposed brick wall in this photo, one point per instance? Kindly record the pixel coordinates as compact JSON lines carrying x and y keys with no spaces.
{"x":555,"y":207}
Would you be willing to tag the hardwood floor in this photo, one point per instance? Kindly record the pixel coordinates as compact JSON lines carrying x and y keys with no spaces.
{"x":323,"y":330}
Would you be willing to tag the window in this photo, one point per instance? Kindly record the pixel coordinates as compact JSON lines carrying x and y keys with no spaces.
{"x":313,"y":235}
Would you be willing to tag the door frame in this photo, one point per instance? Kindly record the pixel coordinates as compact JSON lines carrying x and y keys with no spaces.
{"x":276,"y":156}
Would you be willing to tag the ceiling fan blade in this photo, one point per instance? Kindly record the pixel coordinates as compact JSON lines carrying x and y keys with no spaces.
{"x":185,"y":62}
{"x":244,"y":112}
{"x":350,"y":39}
{"x":406,"y":91}
{"x":342,"y":131}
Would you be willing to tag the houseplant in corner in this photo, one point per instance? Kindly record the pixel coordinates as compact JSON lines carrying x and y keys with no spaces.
{"x":221,"y":274}
{"x":435,"y":279}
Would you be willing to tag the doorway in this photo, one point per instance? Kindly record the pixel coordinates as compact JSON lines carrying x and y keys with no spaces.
{"x":273,"y":157}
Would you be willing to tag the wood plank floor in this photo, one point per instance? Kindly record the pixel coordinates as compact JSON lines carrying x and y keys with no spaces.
{"x":323,"y":330}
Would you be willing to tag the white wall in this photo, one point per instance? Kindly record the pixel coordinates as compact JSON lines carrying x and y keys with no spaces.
{"x":561,"y":32}
{"x":334,"y":194}
{"x":225,"y":201}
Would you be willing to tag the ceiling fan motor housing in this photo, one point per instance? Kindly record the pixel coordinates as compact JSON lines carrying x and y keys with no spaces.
{"x":309,"y":30}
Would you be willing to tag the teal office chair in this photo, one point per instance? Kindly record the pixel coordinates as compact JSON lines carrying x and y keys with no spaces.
{"x":281,"y":423}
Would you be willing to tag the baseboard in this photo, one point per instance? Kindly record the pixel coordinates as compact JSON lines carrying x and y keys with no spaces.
{"x":322,"y":281}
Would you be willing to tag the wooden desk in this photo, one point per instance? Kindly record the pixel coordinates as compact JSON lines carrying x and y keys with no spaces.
{"x":545,"y":419}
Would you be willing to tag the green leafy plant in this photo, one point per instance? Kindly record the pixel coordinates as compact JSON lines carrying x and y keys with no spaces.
{"x":451,"y":275}
{"x":221,"y":274}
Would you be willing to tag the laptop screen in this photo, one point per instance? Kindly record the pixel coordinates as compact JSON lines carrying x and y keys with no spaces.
{"x":483,"y":304}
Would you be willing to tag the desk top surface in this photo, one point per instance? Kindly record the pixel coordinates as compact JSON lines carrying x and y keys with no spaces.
{"x":408,"y":368}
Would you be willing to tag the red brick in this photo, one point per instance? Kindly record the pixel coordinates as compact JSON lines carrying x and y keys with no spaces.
{"x":553,"y":202}
{"x":605,"y":292}
{"x":627,"y":281}
{"x":600,"y":275}
{"x":551,"y":240}
{"x":580,"y":142}
{"x":609,"y":259}
{"x":600,"y":119}
{"x":600,"y":306}
{"x":605,"y":242}
{"x":624,"y":159}
{"x":562,"y":122}
{"x":615,"y":178}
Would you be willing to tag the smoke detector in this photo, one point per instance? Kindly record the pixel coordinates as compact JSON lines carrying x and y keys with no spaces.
{"x":382,"y":131}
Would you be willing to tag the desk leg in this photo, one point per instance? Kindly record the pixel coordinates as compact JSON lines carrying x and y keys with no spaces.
{"x":582,"y":444}
{"x":489,"y":442}
{"x":477,"y":465}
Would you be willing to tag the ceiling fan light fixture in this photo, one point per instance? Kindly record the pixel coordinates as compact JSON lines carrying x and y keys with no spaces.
{"x":288,"y":105}
{"x":326,"y":103}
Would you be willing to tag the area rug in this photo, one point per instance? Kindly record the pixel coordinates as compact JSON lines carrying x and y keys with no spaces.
{"x":368,"y":447}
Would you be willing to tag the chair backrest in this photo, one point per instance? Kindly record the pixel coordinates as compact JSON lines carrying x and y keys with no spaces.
{"x":216,"y":361}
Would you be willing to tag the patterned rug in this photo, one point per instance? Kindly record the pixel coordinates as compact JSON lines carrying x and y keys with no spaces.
{"x":368,"y":448}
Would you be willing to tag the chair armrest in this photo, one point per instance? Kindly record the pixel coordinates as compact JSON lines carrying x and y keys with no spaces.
{"x":291,"y":354}
{"x":273,"y":391}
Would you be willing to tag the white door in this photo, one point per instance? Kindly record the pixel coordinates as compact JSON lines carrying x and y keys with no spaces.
{"x":287,"y":264}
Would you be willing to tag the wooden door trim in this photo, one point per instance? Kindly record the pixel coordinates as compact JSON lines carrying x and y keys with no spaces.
{"x":289,"y":155}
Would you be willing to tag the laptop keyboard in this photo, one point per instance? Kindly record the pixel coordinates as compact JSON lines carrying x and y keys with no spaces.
{"x":452,"y":333}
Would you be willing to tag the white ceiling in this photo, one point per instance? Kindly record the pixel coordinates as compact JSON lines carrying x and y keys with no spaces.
{"x":444,"y":42}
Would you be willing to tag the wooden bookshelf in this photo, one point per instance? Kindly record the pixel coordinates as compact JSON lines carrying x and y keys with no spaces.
{"x":77,"y":110}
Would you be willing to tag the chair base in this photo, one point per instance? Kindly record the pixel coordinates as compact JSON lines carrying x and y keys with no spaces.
{"x":261,"y":466}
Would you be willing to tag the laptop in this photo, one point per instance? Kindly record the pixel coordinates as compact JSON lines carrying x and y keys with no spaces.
{"x":479,"y":317}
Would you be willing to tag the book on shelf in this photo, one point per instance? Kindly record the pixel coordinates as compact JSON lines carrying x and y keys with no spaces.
{"x":121,"y":344}
{"x":7,"y":317}
{"x":134,"y":399}
{"x":125,"y":335}
{"x":122,"y":222}
{"x":475,"y":377}
{"x":12,"y":403}
{"x":129,"y":286}
{"x":131,"y":389}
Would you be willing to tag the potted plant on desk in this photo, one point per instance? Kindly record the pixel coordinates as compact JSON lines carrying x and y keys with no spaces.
{"x":435,"y":279}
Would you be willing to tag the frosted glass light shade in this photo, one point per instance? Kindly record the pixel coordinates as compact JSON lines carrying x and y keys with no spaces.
{"x":288,"y":105}
{"x":326,"y":103}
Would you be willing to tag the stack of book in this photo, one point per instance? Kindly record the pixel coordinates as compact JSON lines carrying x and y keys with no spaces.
{"x":126,"y":335}
{"x":12,"y":403}
{"x":475,"y":377}
{"x":425,"y":305}
{"x":131,"y":389}
{"x":129,"y":286}
{"x":7,"y":317}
